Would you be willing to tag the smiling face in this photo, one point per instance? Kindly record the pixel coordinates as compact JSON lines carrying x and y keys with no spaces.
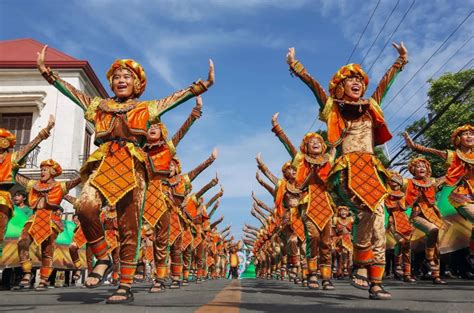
{"x":314,"y":146}
{"x":467,"y":139}
{"x":353,"y":88}
{"x":420,"y":170}
{"x":45,"y":174}
{"x":343,"y":213}
{"x":154,"y":133}
{"x":122,"y":83}
{"x":19,"y":199}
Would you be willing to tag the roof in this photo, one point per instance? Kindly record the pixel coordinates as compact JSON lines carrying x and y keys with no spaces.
{"x":22,"y":53}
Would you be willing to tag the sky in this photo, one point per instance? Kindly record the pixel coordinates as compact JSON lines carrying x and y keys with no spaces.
{"x":248,"y":41}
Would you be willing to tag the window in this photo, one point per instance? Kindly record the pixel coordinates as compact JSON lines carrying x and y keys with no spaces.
{"x":19,"y":124}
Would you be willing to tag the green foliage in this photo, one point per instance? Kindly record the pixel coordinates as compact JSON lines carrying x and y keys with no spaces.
{"x":438,"y":136}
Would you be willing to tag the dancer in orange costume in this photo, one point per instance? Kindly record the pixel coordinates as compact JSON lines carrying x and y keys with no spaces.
{"x":356,"y":125}
{"x":460,"y":173}
{"x":10,"y":163}
{"x":343,"y":240}
{"x":313,"y":165}
{"x":44,"y":196}
{"x":400,"y":227}
{"x":420,"y":194}
{"x":121,"y":126}
{"x":180,"y":186}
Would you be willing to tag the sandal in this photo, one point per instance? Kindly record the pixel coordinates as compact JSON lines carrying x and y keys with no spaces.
{"x":128,"y":295}
{"x":77,"y":275}
{"x":313,"y":282}
{"x":100,"y":277}
{"x":355,"y":276}
{"x":304,"y":283}
{"x":25,"y":283}
{"x":175,"y":284}
{"x":42,"y":286}
{"x":157,"y":287}
{"x":185,"y":282}
{"x":379,"y":294}
{"x":409,"y":279}
{"x":139,"y":277}
{"x":327,"y":285}
{"x":439,"y":281}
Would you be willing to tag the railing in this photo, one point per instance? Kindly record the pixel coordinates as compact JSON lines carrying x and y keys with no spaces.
{"x":31,"y":160}
{"x":83,"y":158}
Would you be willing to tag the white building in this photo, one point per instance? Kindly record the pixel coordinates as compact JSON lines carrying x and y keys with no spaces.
{"x":27,"y":100}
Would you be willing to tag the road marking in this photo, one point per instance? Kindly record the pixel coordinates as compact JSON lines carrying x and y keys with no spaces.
{"x":227,"y":300}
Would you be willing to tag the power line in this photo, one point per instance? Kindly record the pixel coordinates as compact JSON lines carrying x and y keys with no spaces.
{"x":419,"y":69}
{"x":390,"y":38}
{"x":439,"y":69}
{"x":380,"y":31}
{"x":363,"y":32}
{"x":437,"y":116}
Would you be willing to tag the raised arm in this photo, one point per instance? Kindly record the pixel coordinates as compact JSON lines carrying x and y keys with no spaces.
{"x":215,"y":197}
{"x":298,"y":69}
{"x":77,"y":96}
{"x":164,"y":105}
{"x":280,"y":133}
{"x":270,"y":189}
{"x":251,"y":227}
{"x":422,"y":149}
{"x":259,"y":211}
{"x":206,"y":187}
{"x":73,"y":183}
{"x":201,"y":167}
{"x":195,"y":114}
{"x":258,"y":217}
{"x":225,"y":230}
{"x":391,"y":74}
{"x":261,"y":204}
{"x":217,"y":222}
{"x":23,"y":152}
{"x":214,"y":209}
{"x":22,"y":180}
{"x":266,"y":171}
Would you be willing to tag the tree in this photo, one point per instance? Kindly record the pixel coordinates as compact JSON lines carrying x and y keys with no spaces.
{"x":438,"y":136}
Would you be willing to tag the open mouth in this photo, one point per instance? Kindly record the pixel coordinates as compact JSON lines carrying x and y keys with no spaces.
{"x":356,"y":89}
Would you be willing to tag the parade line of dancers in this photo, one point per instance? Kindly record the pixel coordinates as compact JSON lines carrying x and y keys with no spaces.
{"x":137,"y":207}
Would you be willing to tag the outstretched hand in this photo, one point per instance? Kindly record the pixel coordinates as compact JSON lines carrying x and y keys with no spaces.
{"x":402,"y":50}
{"x":40,"y":60}
{"x":211,"y":76}
{"x":409,"y":142}
{"x":197,"y":108}
{"x":258,"y":158}
{"x":290,"y":56}
{"x":275,"y":119}
{"x":214,"y":154}
{"x":51,"y":122}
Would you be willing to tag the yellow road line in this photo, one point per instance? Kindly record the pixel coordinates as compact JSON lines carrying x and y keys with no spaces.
{"x":227,"y":300}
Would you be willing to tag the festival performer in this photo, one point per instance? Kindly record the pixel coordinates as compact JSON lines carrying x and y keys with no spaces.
{"x":356,"y":125}
{"x":108,"y":218}
{"x":44,"y":196}
{"x":180,"y":185}
{"x":343,"y":240}
{"x":400,"y":227}
{"x":78,"y":241}
{"x":287,"y":197}
{"x":192,"y":209}
{"x":420,"y":194}
{"x":313,"y":165}
{"x":10,"y":163}
{"x":121,"y":126}
{"x":234,"y":260}
{"x":460,"y":173}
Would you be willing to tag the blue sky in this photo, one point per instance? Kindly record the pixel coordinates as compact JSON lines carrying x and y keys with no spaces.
{"x":248,"y":41}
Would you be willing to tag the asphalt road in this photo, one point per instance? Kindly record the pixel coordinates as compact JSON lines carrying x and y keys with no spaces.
{"x":249,"y":295}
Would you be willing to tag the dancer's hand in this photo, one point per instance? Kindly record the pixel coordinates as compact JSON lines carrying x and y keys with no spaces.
{"x":210,"y":77}
{"x":40,"y":60}
{"x":402,"y":50}
{"x":290,"y":56}
{"x":197,"y":110}
{"x":274,"y":119}
{"x":51,"y":122}
{"x":214,"y":155}
{"x":409,"y":142}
